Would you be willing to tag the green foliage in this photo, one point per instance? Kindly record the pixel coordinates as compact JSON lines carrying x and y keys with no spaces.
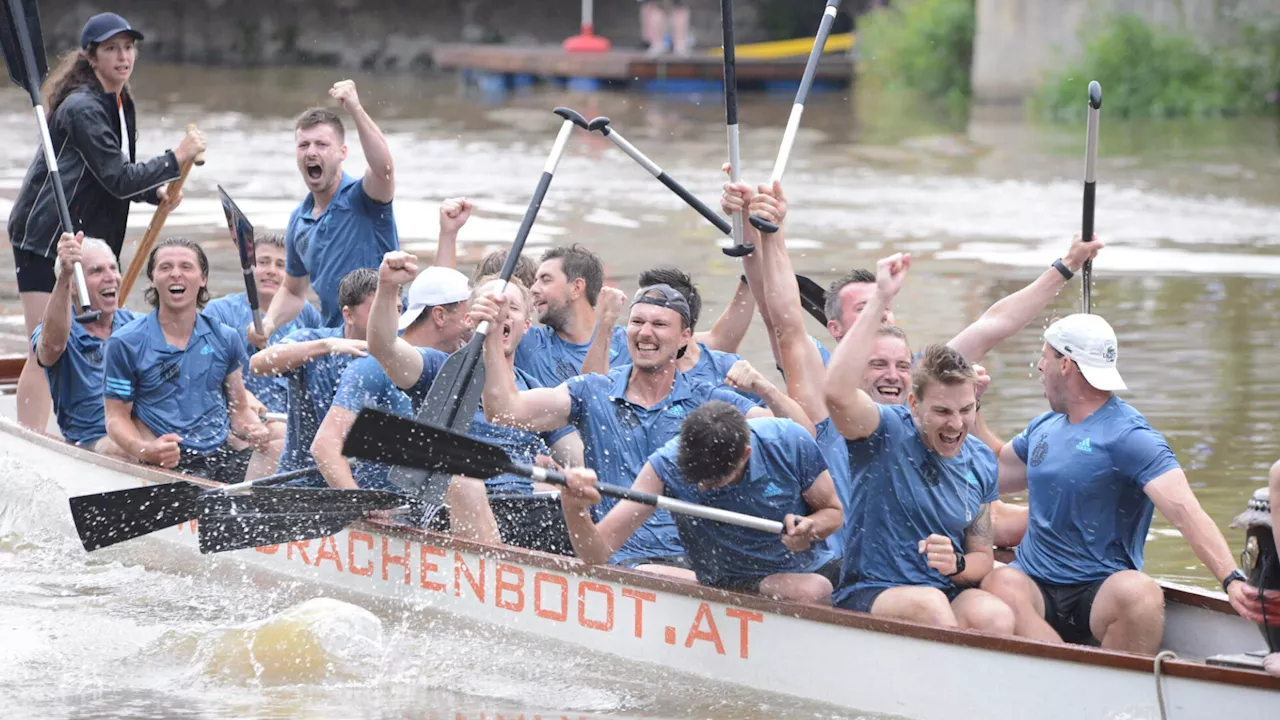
{"x":1149,"y":72}
{"x":925,"y":46}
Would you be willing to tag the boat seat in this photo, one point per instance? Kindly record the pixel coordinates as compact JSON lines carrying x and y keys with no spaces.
{"x":1245,"y":661}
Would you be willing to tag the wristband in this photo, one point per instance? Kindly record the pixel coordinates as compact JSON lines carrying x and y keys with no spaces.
{"x":960,"y":564}
{"x":1062,"y":268}
{"x":1234,"y":576}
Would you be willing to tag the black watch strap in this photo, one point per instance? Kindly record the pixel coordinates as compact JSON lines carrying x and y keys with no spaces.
{"x":1062,"y":268}
{"x":960,"y":564}
{"x":1234,"y":576}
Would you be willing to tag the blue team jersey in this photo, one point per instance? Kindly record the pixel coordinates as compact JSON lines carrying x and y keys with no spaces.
{"x":75,"y":381}
{"x":1089,"y":513}
{"x":551,"y":360}
{"x":234,"y":312}
{"x":353,"y":232}
{"x":618,"y":436}
{"x":903,"y":493}
{"x":365,"y":384}
{"x":175,"y":390}
{"x":309,"y":390}
{"x":784,"y":463}
{"x":522,"y":446}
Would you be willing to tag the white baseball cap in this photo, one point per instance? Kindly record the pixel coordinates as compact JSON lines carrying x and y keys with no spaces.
{"x":435,"y":285}
{"x":1089,"y":341}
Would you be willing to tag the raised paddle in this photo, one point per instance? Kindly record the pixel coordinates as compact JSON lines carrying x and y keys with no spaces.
{"x":602,"y":124}
{"x":1090,"y":184}
{"x":740,"y":248}
{"x":23,"y":46}
{"x":455,"y":394}
{"x":797,"y":110}
{"x":813,"y":298}
{"x":149,"y":238}
{"x":242,"y":236}
{"x":384,"y":437}
{"x":104,"y":519}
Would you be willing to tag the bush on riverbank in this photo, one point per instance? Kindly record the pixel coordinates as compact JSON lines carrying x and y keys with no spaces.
{"x":925,"y":46}
{"x":1146,"y":71}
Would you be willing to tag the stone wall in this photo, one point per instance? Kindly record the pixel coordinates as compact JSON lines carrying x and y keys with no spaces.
{"x":1017,"y":40}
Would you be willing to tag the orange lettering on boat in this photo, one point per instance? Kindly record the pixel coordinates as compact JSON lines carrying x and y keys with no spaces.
{"x":711,"y":633}
{"x":268,"y":549}
{"x":558,"y":615}
{"x":428,"y":567}
{"x":586,"y":587}
{"x":388,"y":558}
{"x":460,"y":568}
{"x":746,"y":617}
{"x":329,"y":551}
{"x":501,"y":586}
{"x":302,"y":550}
{"x":352,"y":566}
{"x":641,"y":598}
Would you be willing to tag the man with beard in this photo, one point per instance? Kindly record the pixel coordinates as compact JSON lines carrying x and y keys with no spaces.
{"x":174,"y":388}
{"x":566,"y":291}
{"x":72,"y":354}
{"x":311,"y":362}
{"x":921,"y":499}
{"x":345,"y":223}
{"x":1094,"y":471}
{"x":627,"y":415}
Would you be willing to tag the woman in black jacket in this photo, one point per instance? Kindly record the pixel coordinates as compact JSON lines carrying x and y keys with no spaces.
{"x":92,"y":123}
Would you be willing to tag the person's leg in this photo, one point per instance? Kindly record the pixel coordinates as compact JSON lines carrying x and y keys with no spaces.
{"x":678,"y":20}
{"x":106,"y":446}
{"x":983,"y":612}
{"x":925,"y":605}
{"x":810,"y":588}
{"x":1021,"y":594}
{"x":652,"y":26}
{"x":34,"y":402}
{"x":1128,"y":613}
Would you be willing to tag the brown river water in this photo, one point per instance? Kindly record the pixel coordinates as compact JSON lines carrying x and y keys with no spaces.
{"x":1190,"y":280}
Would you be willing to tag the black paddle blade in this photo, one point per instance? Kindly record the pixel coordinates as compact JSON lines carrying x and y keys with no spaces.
{"x":241,"y":229}
{"x":813,"y":298}
{"x":108,"y":518}
{"x":278,"y":501}
{"x":224,"y":533}
{"x":388,"y":438}
{"x":12,"y":45}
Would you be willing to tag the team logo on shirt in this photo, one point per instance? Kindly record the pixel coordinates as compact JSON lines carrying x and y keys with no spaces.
{"x":626,"y":416}
{"x":1042,"y":449}
{"x":170,"y":372}
{"x":676,"y":411}
{"x":565,"y":370}
{"x":93,"y":357}
{"x":772,"y":490}
{"x":207,"y":349}
{"x":1083,"y":446}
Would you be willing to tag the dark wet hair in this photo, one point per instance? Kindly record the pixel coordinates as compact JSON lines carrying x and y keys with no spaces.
{"x":941,"y":364}
{"x":576,"y":262}
{"x":357,"y":286}
{"x":526,"y":268}
{"x":152,"y":295}
{"x":713,"y":439}
{"x":678,"y":280}
{"x":831,"y":306}
{"x":320,"y":116}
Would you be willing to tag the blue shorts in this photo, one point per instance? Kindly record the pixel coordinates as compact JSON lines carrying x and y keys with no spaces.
{"x":863,"y":597}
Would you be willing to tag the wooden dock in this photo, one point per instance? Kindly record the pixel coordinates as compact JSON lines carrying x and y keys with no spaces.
{"x":550,"y":63}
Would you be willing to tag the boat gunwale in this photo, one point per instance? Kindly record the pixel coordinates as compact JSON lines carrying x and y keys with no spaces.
{"x":1192,"y":597}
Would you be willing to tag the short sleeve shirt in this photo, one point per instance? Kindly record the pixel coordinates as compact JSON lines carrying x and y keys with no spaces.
{"x":75,"y":380}
{"x":551,"y":360}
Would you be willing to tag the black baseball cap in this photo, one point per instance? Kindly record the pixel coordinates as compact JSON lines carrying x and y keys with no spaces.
{"x":103,"y":26}
{"x":664,"y":295}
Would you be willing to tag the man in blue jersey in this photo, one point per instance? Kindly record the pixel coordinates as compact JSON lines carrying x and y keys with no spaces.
{"x":311,"y":361}
{"x":566,"y":293}
{"x":1094,"y":471}
{"x":72,"y":354}
{"x":766,"y":467}
{"x":437,"y":310}
{"x":625,"y":416}
{"x":711,"y":354}
{"x":234,"y":312}
{"x":174,"y":383}
{"x":345,"y":223}
{"x":921,"y":500}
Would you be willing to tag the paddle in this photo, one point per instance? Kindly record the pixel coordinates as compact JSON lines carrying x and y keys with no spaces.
{"x":813,"y":298}
{"x":157,"y":223}
{"x":455,"y":394}
{"x":224,"y":533}
{"x":740,"y":248}
{"x":797,"y":110}
{"x":602,"y":124}
{"x":1090,"y":183}
{"x":242,"y":236}
{"x":23,"y":46}
{"x":296,"y":501}
{"x":104,"y":519}
{"x":384,"y":437}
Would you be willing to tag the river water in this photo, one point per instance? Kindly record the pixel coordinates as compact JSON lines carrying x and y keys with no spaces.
{"x":1190,"y":280}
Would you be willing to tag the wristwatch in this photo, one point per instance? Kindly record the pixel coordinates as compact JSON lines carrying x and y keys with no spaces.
{"x":1062,"y":268}
{"x":960,"y":563}
{"x":1234,"y":576}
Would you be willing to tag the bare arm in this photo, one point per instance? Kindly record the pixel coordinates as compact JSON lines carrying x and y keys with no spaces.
{"x":379,"y":178}
{"x":979,"y":553}
{"x":56,"y":323}
{"x":608,"y":310}
{"x":162,"y":451}
{"x":1172,"y":495}
{"x":983,"y":433}
{"x":327,"y":448}
{"x":399,"y":359}
{"x":745,"y":377}
{"x":285,"y":357}
{"x":594,"y":543}
{"x":537,"y":410}
{"x":568,"y":451}
{"x":853,"y":411}
{"x":1012,"y":472}
{"x":1010,"y":523}
{"x":732,"y":325}
{"x":454,"y":213}
{"x":244,"y":421}
{"x":285,"y":307}
{"x":826,"y":512}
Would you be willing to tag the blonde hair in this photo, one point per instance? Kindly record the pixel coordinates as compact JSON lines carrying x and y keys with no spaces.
{"x":941,"y":364}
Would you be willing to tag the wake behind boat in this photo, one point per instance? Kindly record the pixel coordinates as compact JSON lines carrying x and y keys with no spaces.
{"x":849,"y":660}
